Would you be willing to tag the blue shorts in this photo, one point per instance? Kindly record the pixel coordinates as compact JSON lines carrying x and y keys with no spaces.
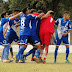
{"x":23,"y":39}
{"x":12,"y":36}
{"x":64,"y":39}
{"x":3,"y":41}
{"x":34,"y":38}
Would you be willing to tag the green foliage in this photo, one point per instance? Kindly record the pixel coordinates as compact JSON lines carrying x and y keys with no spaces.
{"x":59,"y":6}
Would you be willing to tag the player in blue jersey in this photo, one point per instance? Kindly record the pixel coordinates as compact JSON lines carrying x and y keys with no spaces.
{"x":64,"y":27}
{"x":25,"y":32}
{"x":35,"y":29}
{"x":11,"y":34}
{"x":4,"y":22}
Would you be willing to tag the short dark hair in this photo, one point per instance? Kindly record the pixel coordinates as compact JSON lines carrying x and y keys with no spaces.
{"x":39,"y":11}
{"x":32,"y":10}
{"x":52,"y":13}
{"x":2,"y":15}
{"x":16,"y":10}
{"x":66,"y":12}
{"x":24,"y":10}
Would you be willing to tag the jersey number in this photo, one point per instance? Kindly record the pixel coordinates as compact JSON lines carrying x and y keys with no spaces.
{"x":51,"y":20}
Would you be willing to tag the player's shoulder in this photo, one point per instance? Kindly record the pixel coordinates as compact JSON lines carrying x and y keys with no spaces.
{"x":60,"y":19}
{"x":69,"y":22}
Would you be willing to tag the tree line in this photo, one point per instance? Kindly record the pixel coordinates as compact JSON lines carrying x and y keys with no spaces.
{"x":58,"y":6}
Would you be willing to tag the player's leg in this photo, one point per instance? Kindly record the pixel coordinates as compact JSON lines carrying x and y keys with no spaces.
{"x":47,"y":38}
{"x":41,"y":52}
{"x":58,"y":42}
{"x":67,"y":54}
{"x":11,"y":51}
{"x":9,"y":39}
{"x":6,"y":51}
{"x":55,"y":54}
{"x":23,"y":43}
{"x":36,"y":42}
{"x":42,"y":43}
{"x":67,"y":49}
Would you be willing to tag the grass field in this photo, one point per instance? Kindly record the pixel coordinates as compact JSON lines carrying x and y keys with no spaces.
{"x":29,"y":66}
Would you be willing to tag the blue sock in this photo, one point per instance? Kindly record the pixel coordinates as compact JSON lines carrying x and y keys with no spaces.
{"x":37,"y":53}
{"x":67,"y":53}
{"x":55,"y":55}
{"x":30,"y":52}
{"x":2,"y":57}
{"x":20,"y":53}
{"x":33,"y":54}
{"x":6,"y":52}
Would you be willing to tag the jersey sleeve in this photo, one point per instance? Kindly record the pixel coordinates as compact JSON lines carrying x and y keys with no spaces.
{"x":32,"y":17}
{"x":6,"y":20}
{"x":16,"y":19}
{"x":56,"y":22}
{"x":69,"y":25}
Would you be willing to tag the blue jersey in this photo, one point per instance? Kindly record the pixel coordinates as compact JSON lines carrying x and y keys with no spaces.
{"x":63,"y":26}
{"x":3,"y":25}
{"x":12,"y":24}
{"x":25,"y":24}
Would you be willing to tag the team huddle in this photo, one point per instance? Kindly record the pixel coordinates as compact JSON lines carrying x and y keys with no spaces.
{"x":36,"y":28}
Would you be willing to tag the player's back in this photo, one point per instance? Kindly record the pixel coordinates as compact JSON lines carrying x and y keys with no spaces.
{"x":47,"y":24}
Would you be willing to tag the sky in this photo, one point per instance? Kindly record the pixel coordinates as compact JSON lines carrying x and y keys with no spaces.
{"x":6,"y":0}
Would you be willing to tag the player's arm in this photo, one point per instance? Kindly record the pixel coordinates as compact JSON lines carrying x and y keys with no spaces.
{"x":5,"y":31}
{"x":17,"y":25}
{"x":39,"y":16}
{"x":15,"y":16}
{"x":46,"y":15}
{"x":66,"y":33}
{"x":69,"y":29}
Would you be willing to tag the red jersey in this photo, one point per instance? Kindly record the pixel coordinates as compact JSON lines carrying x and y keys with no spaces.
{"x":47,"y":24}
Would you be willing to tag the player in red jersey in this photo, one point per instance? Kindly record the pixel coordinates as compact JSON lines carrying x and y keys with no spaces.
{"x":46,"y":30}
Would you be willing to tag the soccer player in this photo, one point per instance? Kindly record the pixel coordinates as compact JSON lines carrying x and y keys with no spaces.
{"x":63,"y":28}
{"x":25,"y":33}
{"x":34,"y":31}
{"x":46,"y":30}
{"x":11,"y":34}
{"x":4,"y":22}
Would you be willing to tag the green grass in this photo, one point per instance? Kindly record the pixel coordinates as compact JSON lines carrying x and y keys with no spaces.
{"x":29,"y":66}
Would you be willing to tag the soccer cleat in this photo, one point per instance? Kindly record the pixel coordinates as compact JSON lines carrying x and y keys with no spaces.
{"x":40,"y":60}
{"x":36,"y":59}
{"x":67,"y":61}
{"x":54,"y":62}
{"x":20,"y":61}
{"x":32,"y":59}
{"x":43,"y":61}
{"x":6,"y":61}
{"x":14,"y":57}
{"x":24,"y":58}
{"x":16,"y":60}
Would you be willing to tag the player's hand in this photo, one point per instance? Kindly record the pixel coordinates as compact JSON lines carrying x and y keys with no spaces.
{"x":64,"y":34}
{"x":41,"y":14}
{"x":49,"y":11}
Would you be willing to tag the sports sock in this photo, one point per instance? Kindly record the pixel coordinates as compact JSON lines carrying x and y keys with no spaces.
{"x":33,"y":54}
{"x":55,"y":55}
{"x":6,"y":52}
{"x":67,"y":53}
{"x":20,"y":53}
{"x":30,"y":52}
{"x":46,"y":52}
{"x":11,"y":51}
{"x":37,"y":53}
{"x":41,"y":53}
